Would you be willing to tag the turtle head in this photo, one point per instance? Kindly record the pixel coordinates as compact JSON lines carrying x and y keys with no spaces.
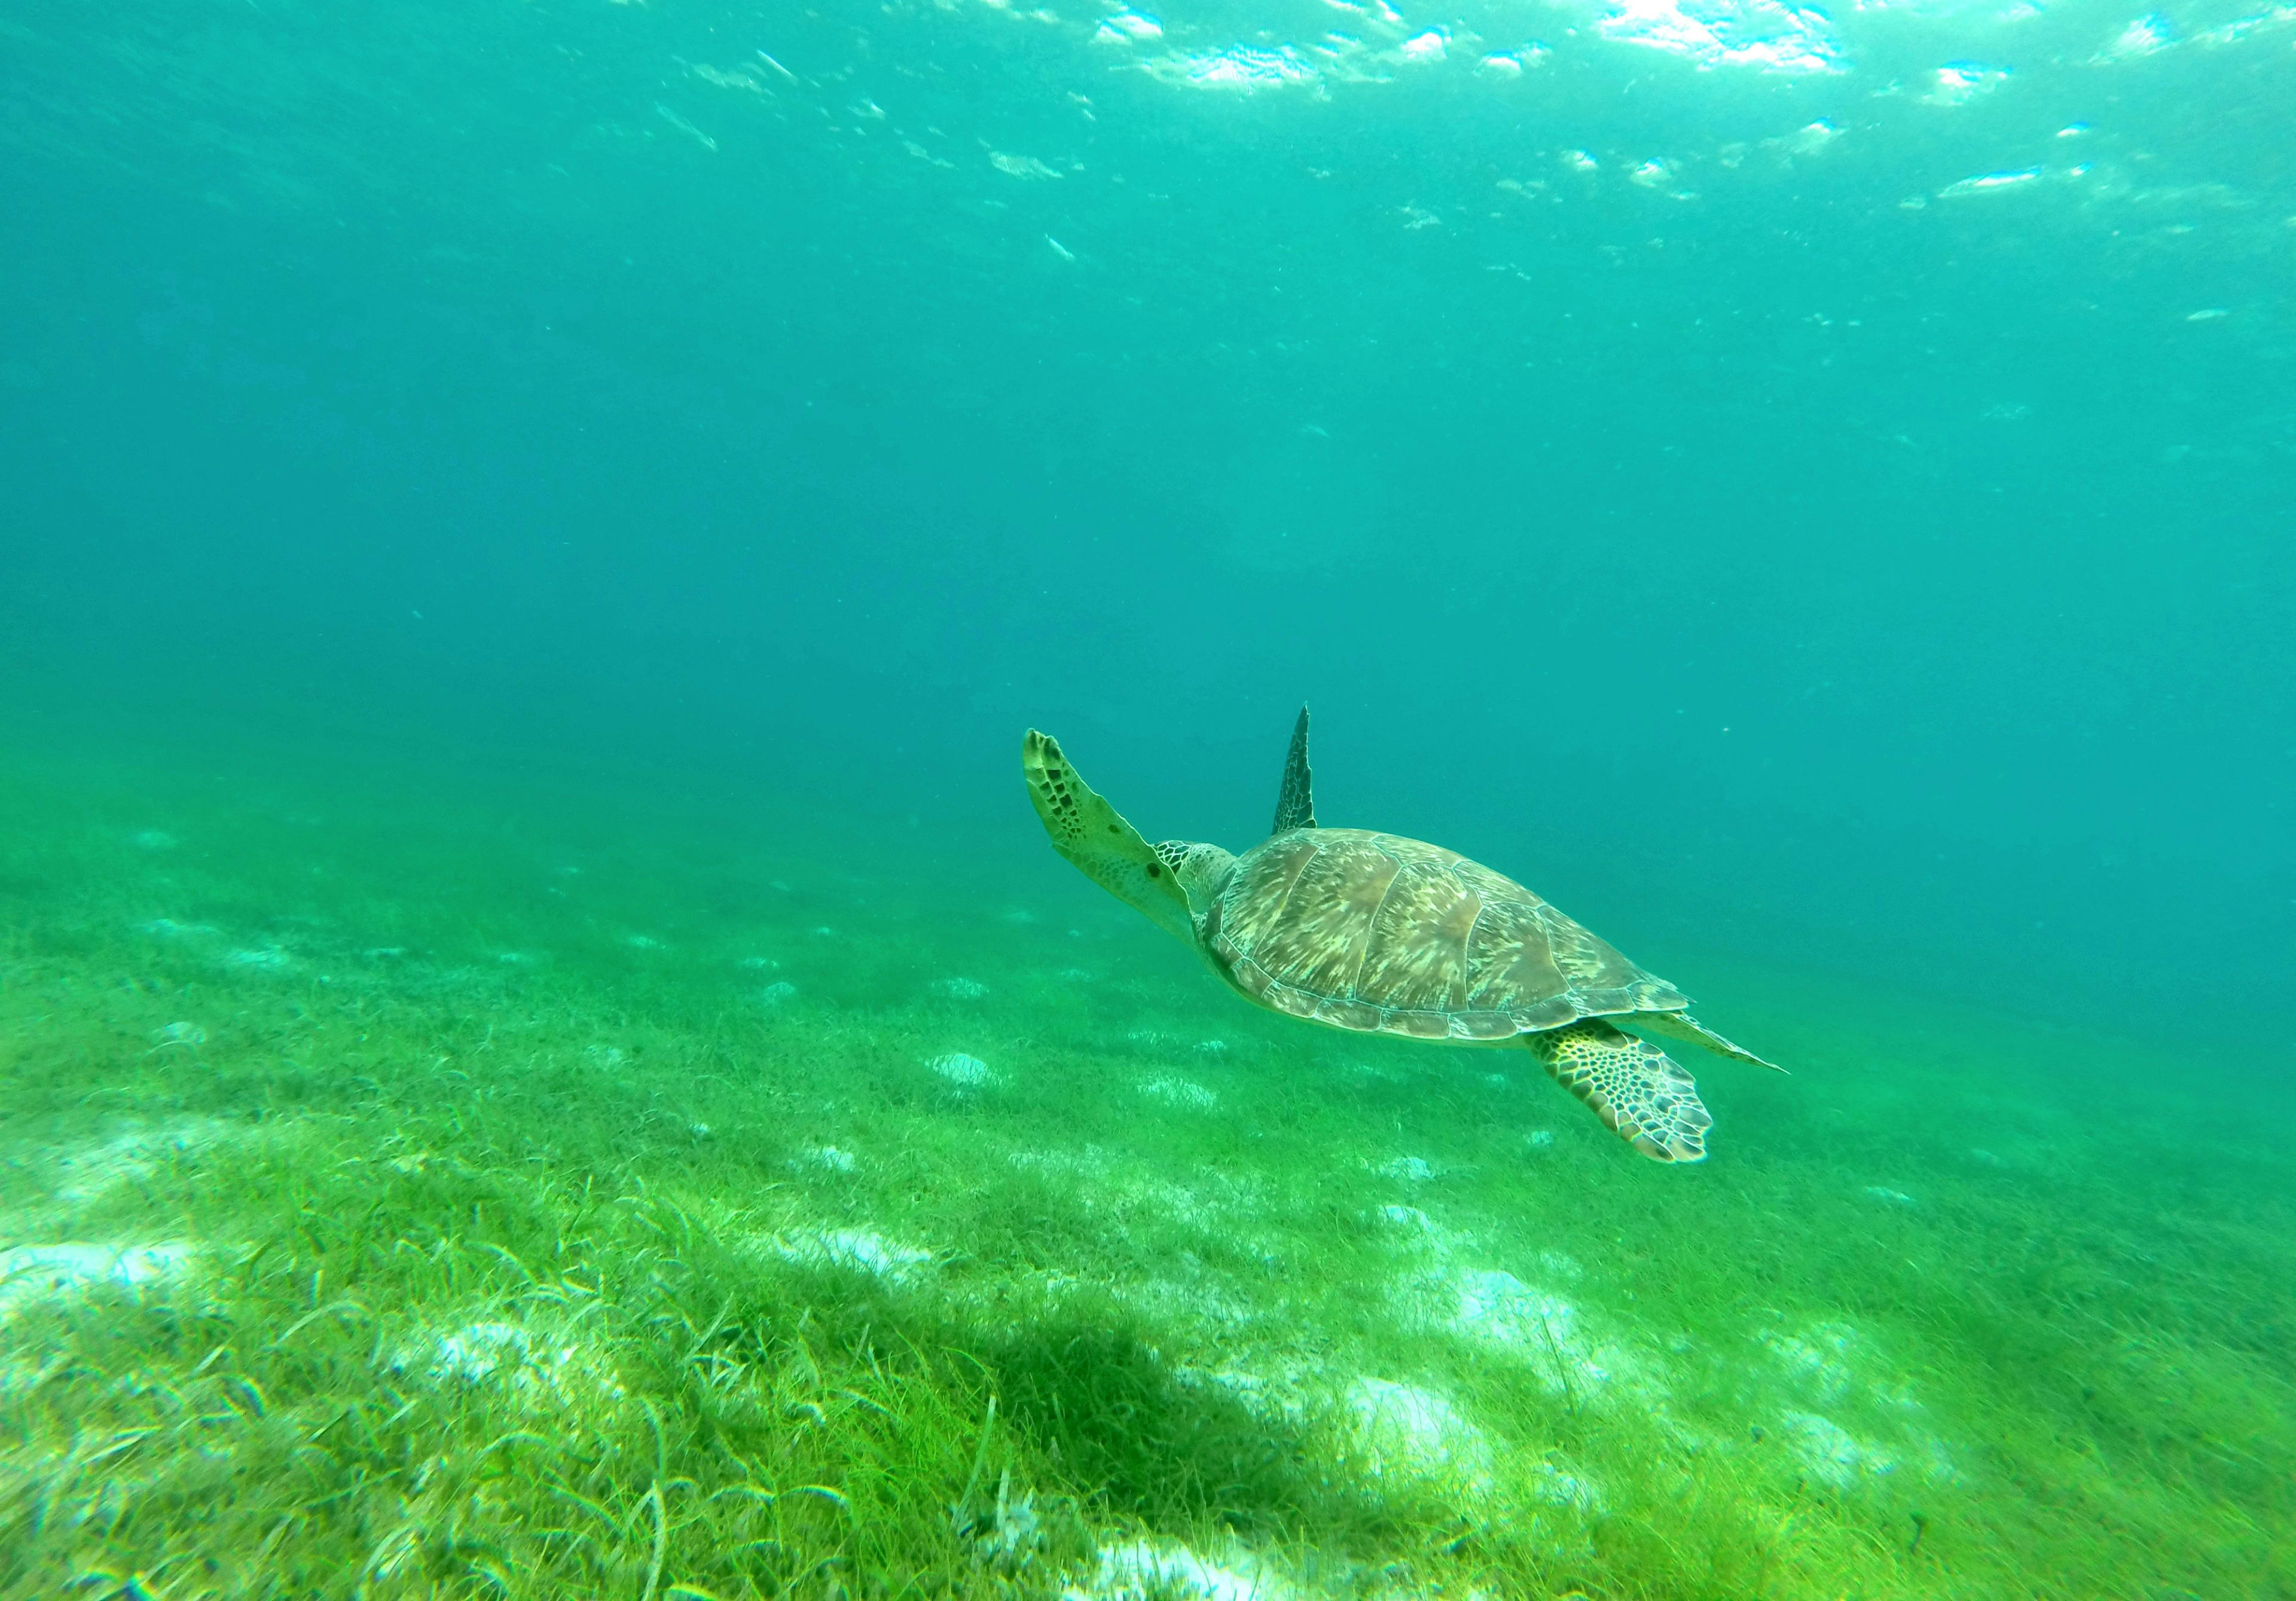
{"x":1203,"y":871}
{"x":1103,"y":847}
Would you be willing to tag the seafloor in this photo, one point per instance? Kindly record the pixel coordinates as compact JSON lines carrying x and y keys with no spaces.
{"x":407,"y":1189}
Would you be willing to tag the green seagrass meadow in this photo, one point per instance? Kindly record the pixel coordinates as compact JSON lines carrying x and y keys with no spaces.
{"x":415,"y":1188}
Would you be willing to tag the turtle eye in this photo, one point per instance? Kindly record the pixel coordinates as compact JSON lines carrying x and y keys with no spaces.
{"x":1155,"y":870}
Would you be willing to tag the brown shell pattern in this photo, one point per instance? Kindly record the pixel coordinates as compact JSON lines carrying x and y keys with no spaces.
{"x":1383,"y":934}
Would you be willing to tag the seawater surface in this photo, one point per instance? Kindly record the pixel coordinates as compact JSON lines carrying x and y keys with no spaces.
{"x":544,"y":1052}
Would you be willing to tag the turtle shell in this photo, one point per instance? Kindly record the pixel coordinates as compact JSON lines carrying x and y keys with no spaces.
{"x":1381,"y":935}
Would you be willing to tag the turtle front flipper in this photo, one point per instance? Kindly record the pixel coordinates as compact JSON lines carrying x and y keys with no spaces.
{"x":1095,"y":836}
{"x":1631,"y":1085}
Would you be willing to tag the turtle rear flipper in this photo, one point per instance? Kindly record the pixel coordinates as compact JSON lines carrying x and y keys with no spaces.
{"x":1689,"y":1030}
{"x":1631,"y":1085}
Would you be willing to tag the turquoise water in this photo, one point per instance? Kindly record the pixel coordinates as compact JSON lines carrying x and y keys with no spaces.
{"x":542,"y":1048}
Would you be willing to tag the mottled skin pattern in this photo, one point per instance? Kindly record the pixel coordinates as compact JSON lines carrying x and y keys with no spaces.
{"x":1379,"y":933}
{"x":1631,"y":1085}
{"x":1091,"y":833}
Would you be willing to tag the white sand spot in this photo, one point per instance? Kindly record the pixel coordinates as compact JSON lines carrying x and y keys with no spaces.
{"x":1168,"y":1571}
{"x":1818,"y":1359}
{"x":779,"y":993}
{"x":1404,"y":1429}
{"x":179,"y":1033}
{"x":1170,"y":1301}
{"x":958,"y":1068}
{"x":86,"y":1172}
{"x":477,"y":1352}
{"x":1501,"y":1310}
{"x":537,"y":1366}
{"x":168,"y":928}
{"x":36,"y":1273}
{"x":1831,"y":1452}
{"x":1180,"y":1092}
{"x":1410,"y":1169}
{"x":1539,"y":1139}
{"x":759,"y":963}
{"x":1822,"y":1360}
{"x":828,"y":1158}
{"x":259,"y":958}
{"x":960,"y":989}
{"x":1429,"y":1292}
{"x":152,"y":839}
{"x":1829,"y":1365}
{"x":1008,"y":1535}
{"x":1290,"y":1392}
{"x":1890,"y":1197}
{"x":862,"y":1248}
{"x":1559,"y":1487}
{"x":642,"y":942}
{"x":1159,"y":1198}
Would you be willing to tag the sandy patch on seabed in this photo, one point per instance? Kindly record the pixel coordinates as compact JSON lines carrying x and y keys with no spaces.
{"x":76,"y":1175}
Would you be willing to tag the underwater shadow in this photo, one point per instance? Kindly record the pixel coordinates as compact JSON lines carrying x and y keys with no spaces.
{"x":1134,"y":1437}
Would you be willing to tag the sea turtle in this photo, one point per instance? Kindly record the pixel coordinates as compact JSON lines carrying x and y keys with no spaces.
{"x":1384,"y":935}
